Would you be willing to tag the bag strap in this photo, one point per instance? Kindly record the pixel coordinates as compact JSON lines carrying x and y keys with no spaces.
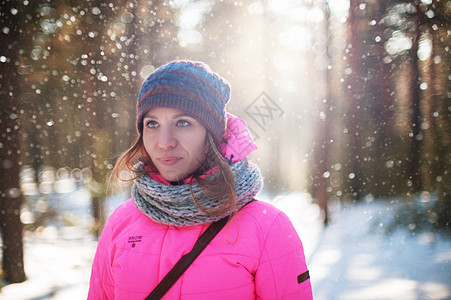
{"x":186,"y":260}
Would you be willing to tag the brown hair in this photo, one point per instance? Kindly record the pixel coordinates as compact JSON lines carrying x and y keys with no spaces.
{"x":222,"y":184}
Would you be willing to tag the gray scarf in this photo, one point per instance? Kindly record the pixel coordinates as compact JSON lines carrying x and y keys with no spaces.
{"x":174,"y":205}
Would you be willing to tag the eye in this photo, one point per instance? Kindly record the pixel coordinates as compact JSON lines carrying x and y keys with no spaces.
{"x":151,"y":124}
{"x":183,"y":123}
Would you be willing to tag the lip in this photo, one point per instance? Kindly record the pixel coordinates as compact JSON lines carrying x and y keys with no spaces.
{"x":169,"y":160}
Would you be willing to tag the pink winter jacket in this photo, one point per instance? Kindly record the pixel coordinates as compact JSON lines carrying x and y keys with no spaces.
{"x":257,"y":255}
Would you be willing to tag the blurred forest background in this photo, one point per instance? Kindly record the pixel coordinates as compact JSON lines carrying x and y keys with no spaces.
{"x":347,"y":99}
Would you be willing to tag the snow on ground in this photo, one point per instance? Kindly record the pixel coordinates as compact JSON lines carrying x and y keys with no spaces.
{"x":56,"y":268}
{"x":355,"y":259}
{"x":352,"y":258}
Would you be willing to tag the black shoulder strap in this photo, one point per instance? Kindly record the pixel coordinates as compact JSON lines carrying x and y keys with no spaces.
{"x":174,"y":274}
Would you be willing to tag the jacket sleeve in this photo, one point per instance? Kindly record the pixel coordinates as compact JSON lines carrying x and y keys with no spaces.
{"x":101,"y":285}
{"x":282,"y":263}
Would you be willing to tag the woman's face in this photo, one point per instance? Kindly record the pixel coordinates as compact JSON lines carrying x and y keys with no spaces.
{"x":176,"y":142}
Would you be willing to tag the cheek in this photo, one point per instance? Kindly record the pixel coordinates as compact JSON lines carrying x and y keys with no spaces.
{"x":197,"y":146}
{"x":201,"y":149}
{"x":148,"y":145}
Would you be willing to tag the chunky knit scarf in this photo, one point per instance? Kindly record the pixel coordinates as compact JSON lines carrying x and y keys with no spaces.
{"x":174,"y":205}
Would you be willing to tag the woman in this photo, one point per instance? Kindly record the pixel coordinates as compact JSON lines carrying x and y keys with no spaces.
{"x":191,"y":170}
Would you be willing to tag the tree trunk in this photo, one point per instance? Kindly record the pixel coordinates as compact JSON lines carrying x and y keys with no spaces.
{"x":322,"y":150}
{"x":93,"y":114}
{"x":416,"y":138}
{"x":11,"y":198}
{"x":383,"y":79}
{"x":356,"y":90}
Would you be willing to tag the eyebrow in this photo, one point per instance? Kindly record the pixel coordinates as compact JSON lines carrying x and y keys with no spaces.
{"x":175,"y":116}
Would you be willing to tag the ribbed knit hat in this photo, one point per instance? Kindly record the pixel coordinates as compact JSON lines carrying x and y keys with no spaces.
{"x":189,"y":86}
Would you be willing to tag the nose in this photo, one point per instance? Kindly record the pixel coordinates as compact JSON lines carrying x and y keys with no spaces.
{"x":166,"y":139}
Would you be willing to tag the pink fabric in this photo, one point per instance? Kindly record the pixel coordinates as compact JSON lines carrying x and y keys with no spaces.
{"x":258,"y":255}
{"x":157,"y":176}
{"x":238,"y":144}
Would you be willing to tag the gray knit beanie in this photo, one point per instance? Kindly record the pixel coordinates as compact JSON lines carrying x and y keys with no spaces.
{"x":191,"y":87}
